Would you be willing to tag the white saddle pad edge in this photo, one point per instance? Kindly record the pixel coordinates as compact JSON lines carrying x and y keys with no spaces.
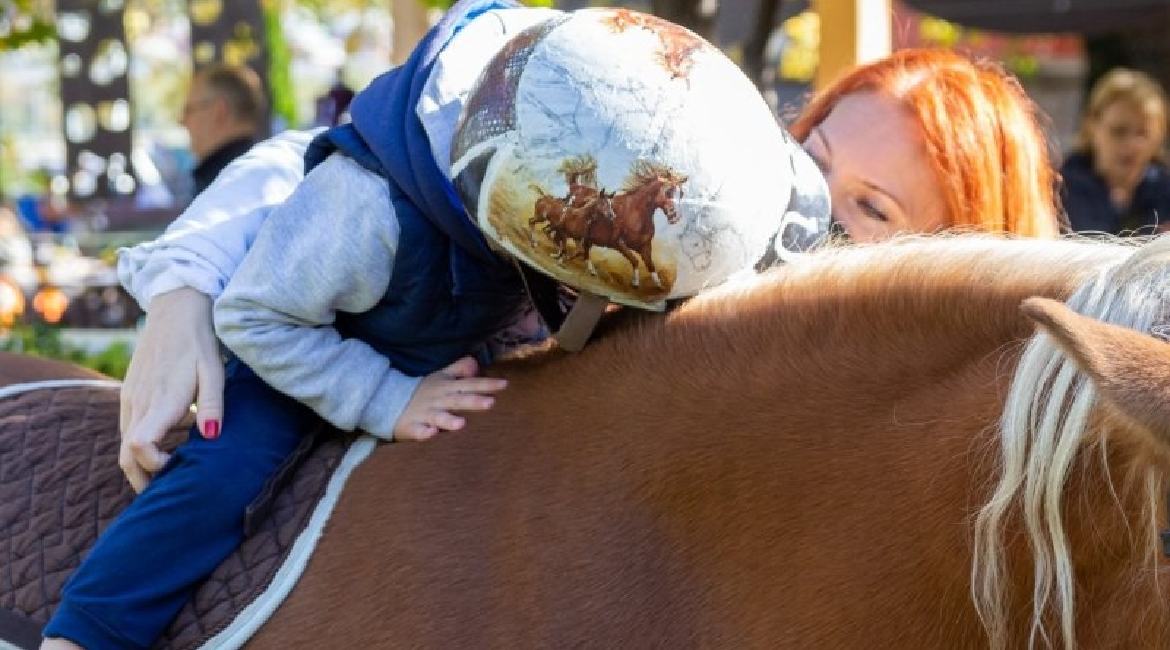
{"x":260,"y":610}
{"x":26,"y":387}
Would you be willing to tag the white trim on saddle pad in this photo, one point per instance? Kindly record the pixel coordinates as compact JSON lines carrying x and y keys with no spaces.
{"x":17,"y":389}
{"x":259,"y":610}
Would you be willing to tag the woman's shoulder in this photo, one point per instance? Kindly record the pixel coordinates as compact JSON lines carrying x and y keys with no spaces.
{"x":1078,"y":176}
{"x":1077,"y":162}
{"x":1157,"y":173}
{"x":1155,"y":186}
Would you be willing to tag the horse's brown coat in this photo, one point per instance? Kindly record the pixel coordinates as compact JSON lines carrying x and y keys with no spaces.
{"x":792,"y":466}
{"x":18,"y":369}
{"x":795,"y":464}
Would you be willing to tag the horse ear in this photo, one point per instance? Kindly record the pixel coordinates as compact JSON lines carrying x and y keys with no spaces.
{"x":1131,"y":370}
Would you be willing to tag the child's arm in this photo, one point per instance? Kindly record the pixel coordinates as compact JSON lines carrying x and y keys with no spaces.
{"x":331,"y":248}
{"x":204,"y":245}
{"x":175,"y":278}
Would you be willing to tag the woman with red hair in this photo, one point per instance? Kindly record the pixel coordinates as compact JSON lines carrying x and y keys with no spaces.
{"x":928,"y":140}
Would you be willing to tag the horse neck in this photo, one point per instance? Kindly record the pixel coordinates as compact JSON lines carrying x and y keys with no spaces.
{"x":1071,"y":523}
{"x":760,"y":446}
{"x":638,"y":202}
{"x":1113,"y":545}
{"x":865,"y":315}
{"x":836,"y":402}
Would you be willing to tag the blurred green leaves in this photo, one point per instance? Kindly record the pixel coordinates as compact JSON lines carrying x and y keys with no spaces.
{"x":446,"y":4}
{"x":321,"y":7}
{"x":280,"y":82}
{"x":25,"y":22}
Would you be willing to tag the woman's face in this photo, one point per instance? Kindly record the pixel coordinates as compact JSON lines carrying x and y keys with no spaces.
{"x":874,"y":161}
{"x":1124,"y":138}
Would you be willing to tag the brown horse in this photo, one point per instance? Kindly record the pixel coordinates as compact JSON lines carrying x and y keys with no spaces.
{"x":867,"y":449}
{"x":586,"y":205}
{"x":631,"y":229}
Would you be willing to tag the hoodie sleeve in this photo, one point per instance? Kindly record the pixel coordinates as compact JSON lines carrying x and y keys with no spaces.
{"x":202,"y":248}
{"x":330,"y":247}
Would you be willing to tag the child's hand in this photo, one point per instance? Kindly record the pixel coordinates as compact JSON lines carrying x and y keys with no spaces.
{"x":454,"y":388}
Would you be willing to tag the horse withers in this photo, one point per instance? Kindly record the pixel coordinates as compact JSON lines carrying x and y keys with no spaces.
{"x":868,"y":448}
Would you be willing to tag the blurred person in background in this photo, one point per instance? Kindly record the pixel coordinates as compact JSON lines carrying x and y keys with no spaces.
{"x":1116,"y":180}
{"x":332,"y":106}
{"x":225,"y":112}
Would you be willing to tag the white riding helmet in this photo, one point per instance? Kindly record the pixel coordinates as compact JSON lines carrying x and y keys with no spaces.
{"x":627,"y":157}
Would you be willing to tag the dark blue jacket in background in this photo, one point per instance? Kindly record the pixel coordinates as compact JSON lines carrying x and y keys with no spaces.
{"x":1086,"y":199}
{"x":448,"y":291}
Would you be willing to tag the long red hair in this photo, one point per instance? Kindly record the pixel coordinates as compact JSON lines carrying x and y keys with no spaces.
{"x":981,"y":132}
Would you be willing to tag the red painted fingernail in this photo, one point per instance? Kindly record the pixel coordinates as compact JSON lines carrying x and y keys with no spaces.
{"x":211,"y":429}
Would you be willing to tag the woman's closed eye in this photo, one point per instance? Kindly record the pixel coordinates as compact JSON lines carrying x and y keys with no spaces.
{"x":871,"y":210}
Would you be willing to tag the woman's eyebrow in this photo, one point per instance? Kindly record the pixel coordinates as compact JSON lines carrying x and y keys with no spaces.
{"x":883,"y":191}
{"x":868,"y":183}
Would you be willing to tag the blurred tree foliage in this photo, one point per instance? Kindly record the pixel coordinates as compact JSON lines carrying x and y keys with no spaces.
{"x":326,"y":7}
{"x":280,"y":83}
{"x":45,"y":341}
{"x":26,"y":21}
{"x":320,"y":5}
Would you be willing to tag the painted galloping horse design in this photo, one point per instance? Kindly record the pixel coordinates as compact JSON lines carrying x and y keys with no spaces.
{"x":561,"y":216}
{"x":630,"y":230}
{"x":581,"y":175}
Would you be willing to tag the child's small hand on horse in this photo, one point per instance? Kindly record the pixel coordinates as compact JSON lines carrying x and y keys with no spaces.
{"x":454,"y":388}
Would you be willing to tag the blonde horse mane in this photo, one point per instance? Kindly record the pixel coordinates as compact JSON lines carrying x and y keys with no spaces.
{"x":1044,"y":425}
{"x":645,"y":171}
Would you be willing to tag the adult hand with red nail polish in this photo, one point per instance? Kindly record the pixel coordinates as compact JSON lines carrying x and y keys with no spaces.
{"x":454,"y":388}
{"x":176,"y":359}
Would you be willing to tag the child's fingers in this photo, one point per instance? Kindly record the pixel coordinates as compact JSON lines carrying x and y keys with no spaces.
{"x":477,"y":385}
{"x":466,"y":402}
{"x":447,"y":421}
{"x":465,"y":367}
{"x":418,"y":431}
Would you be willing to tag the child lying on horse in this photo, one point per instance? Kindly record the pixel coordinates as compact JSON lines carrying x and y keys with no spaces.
{"x":868,"y":132}
{"x":372,"y":295}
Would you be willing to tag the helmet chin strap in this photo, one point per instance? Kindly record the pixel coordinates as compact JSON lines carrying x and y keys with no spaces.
{"x":573,"y":329}
{"x":580,"y":322}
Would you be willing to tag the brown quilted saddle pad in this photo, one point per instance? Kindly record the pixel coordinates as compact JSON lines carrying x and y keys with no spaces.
{"x":60,"y":486}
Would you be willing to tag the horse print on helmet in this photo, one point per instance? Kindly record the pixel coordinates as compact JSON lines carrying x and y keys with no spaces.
{"x":622,"y":222}
{"x":606,"y":146}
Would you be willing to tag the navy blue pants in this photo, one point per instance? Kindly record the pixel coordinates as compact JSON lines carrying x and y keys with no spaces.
{"x":147,"y":564}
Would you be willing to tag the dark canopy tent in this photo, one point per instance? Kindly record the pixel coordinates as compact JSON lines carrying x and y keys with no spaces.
{"x":1039,"y":16}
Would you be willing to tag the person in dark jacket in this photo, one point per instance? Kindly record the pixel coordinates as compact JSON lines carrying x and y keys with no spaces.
{"x":224,"y":113}
{"x":1117,"y":181}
